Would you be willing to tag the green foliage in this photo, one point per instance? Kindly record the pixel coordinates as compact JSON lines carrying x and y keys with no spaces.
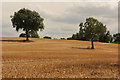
{"x":116,"y":38}
{"x":70,"y":38}
{"x":62,"y":38}
{"x":47,"y":37}
{"x":82,"y":32}
{"x":27,"y":20}
{"x":105,"y":37}
{"x":92,"y":30}
{"x":77,"y":36}
{"x":74,"y":37}
{"x":33,"y":34}
{"x":22,"y":35}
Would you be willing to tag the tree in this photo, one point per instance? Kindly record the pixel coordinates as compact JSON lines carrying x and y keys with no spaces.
{"x":33,"y":34}
{"x":69,"y":38}
{"x":62,"y":38}
{"x":108,"y":37}
{"x":47,"y":37}
{"x":81,"y":32}
{"x":77,"y":36}
{"x":92,"y":29}
{"x":74,"y":37}
{"x":105,"y":37}
{"x":27,"y":20}
{"x":116,"y":37}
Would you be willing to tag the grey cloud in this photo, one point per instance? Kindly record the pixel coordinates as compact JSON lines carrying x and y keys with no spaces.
{"x":8,"y":30}
{"x":62,"y":23}
{"x":59,"y":32}
{"x":71,"y":19}
{"x":91,"y":10}
{"x":80,"y":13}
{"x":67,"y":28}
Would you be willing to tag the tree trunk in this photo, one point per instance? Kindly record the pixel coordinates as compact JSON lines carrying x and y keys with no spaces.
{"x":27,"y":35}
{"x":92,"y":44}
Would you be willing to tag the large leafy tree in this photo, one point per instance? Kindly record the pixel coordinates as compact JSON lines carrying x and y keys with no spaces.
{"x":92,"y":29}
{"x":27,"y":20}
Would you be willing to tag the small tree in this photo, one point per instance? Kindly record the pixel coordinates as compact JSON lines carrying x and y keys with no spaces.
{"x":69,"y":38}
{"x":92,"y":29}
{"x":27,"y":20}
{"x":62,"y":38}
{"x":47,"y":37}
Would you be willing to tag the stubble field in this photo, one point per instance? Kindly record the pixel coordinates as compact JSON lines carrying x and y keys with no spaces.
{"x":45,"y":58}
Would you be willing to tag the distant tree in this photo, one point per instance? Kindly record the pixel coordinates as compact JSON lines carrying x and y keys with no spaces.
{"x":111,"y":39}
{"x":108,"y":37}
{"x":47,"y":37}
{"x":77,"y":36}
{"x":62,"y":38}
{"x":54,"y":38}
{"x":27,"y":20}
{"x":33,"y":34}
{"x":74,"y":37}
{"x":80,"y":35}
{"x":22,"y":35}
{"x":105,"y":37}
{"x":92,"y":29}
{"x":81,"y":32}
{"x":116,"y":37}
{"x":69,"y":38}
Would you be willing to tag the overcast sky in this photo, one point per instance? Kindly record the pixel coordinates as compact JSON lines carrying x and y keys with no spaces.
{"x":61,"y":19}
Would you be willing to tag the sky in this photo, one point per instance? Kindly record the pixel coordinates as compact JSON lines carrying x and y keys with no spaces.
{"x":62,"y":19}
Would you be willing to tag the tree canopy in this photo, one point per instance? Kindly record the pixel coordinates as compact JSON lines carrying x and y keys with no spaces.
{"x":27,"y":20}
{"x":92,"y":29}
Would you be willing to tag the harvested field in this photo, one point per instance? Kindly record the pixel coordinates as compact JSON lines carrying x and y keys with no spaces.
{"x":46,"y":58}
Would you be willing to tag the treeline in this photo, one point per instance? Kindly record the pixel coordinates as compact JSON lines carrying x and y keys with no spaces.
{"x":103,"y":37}
{"x":92,"y":30}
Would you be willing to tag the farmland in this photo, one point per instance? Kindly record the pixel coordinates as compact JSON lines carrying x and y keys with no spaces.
{"x":51,"y":58}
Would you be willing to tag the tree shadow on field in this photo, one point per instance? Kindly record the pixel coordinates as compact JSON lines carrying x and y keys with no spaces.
{"x":15,"y":41}
{"x":81,"y":48}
